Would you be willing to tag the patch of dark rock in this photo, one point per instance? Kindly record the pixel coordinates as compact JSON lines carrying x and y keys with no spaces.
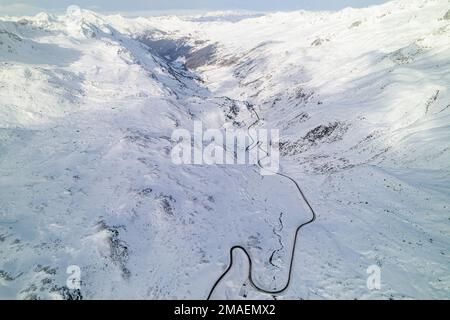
{"x":227,"y":61}
{"x":68,"y":294}
{"x":245,"y":68}
{"x":254,"y":241}
{"x":119,"y":252}
{"x":45,"y":269}
{"x":318,"y":42}
{"x":302,"y":117}
{"x":431,"y":101}
{"x":11,"y":35}
{"x":447,"y":15}
{"x":29,"y":292}
{"x":321,"y":134}
{"x":6,"y":276}
{"x":166,"y":201}
{"x":140,"y":138}
{"x":232,"y":112}
{"x":145,"y":192}
{"x":302,"y":96}
{"x":406,"y":54}
{"x":355,"y":24}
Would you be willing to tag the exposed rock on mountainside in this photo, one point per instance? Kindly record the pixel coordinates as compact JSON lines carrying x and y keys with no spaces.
{"x":447,"y":15}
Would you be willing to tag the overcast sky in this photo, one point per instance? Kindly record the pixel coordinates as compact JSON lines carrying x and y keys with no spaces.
{"x":26,"y":7}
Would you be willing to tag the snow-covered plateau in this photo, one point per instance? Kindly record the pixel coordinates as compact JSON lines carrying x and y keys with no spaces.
{"x":88,"y":104}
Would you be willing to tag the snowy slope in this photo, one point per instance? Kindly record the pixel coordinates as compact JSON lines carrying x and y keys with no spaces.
{"x":87,"y":107}
{"x":87,"y":177}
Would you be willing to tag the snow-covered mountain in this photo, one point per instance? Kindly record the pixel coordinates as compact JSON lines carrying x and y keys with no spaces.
{"x":88,"y":104}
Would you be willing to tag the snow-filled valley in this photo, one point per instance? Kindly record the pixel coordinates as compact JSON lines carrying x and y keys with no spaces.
{"x":88,"y":105}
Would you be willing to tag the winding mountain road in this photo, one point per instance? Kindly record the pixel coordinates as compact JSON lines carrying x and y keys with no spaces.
{"x":296,"y":234}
